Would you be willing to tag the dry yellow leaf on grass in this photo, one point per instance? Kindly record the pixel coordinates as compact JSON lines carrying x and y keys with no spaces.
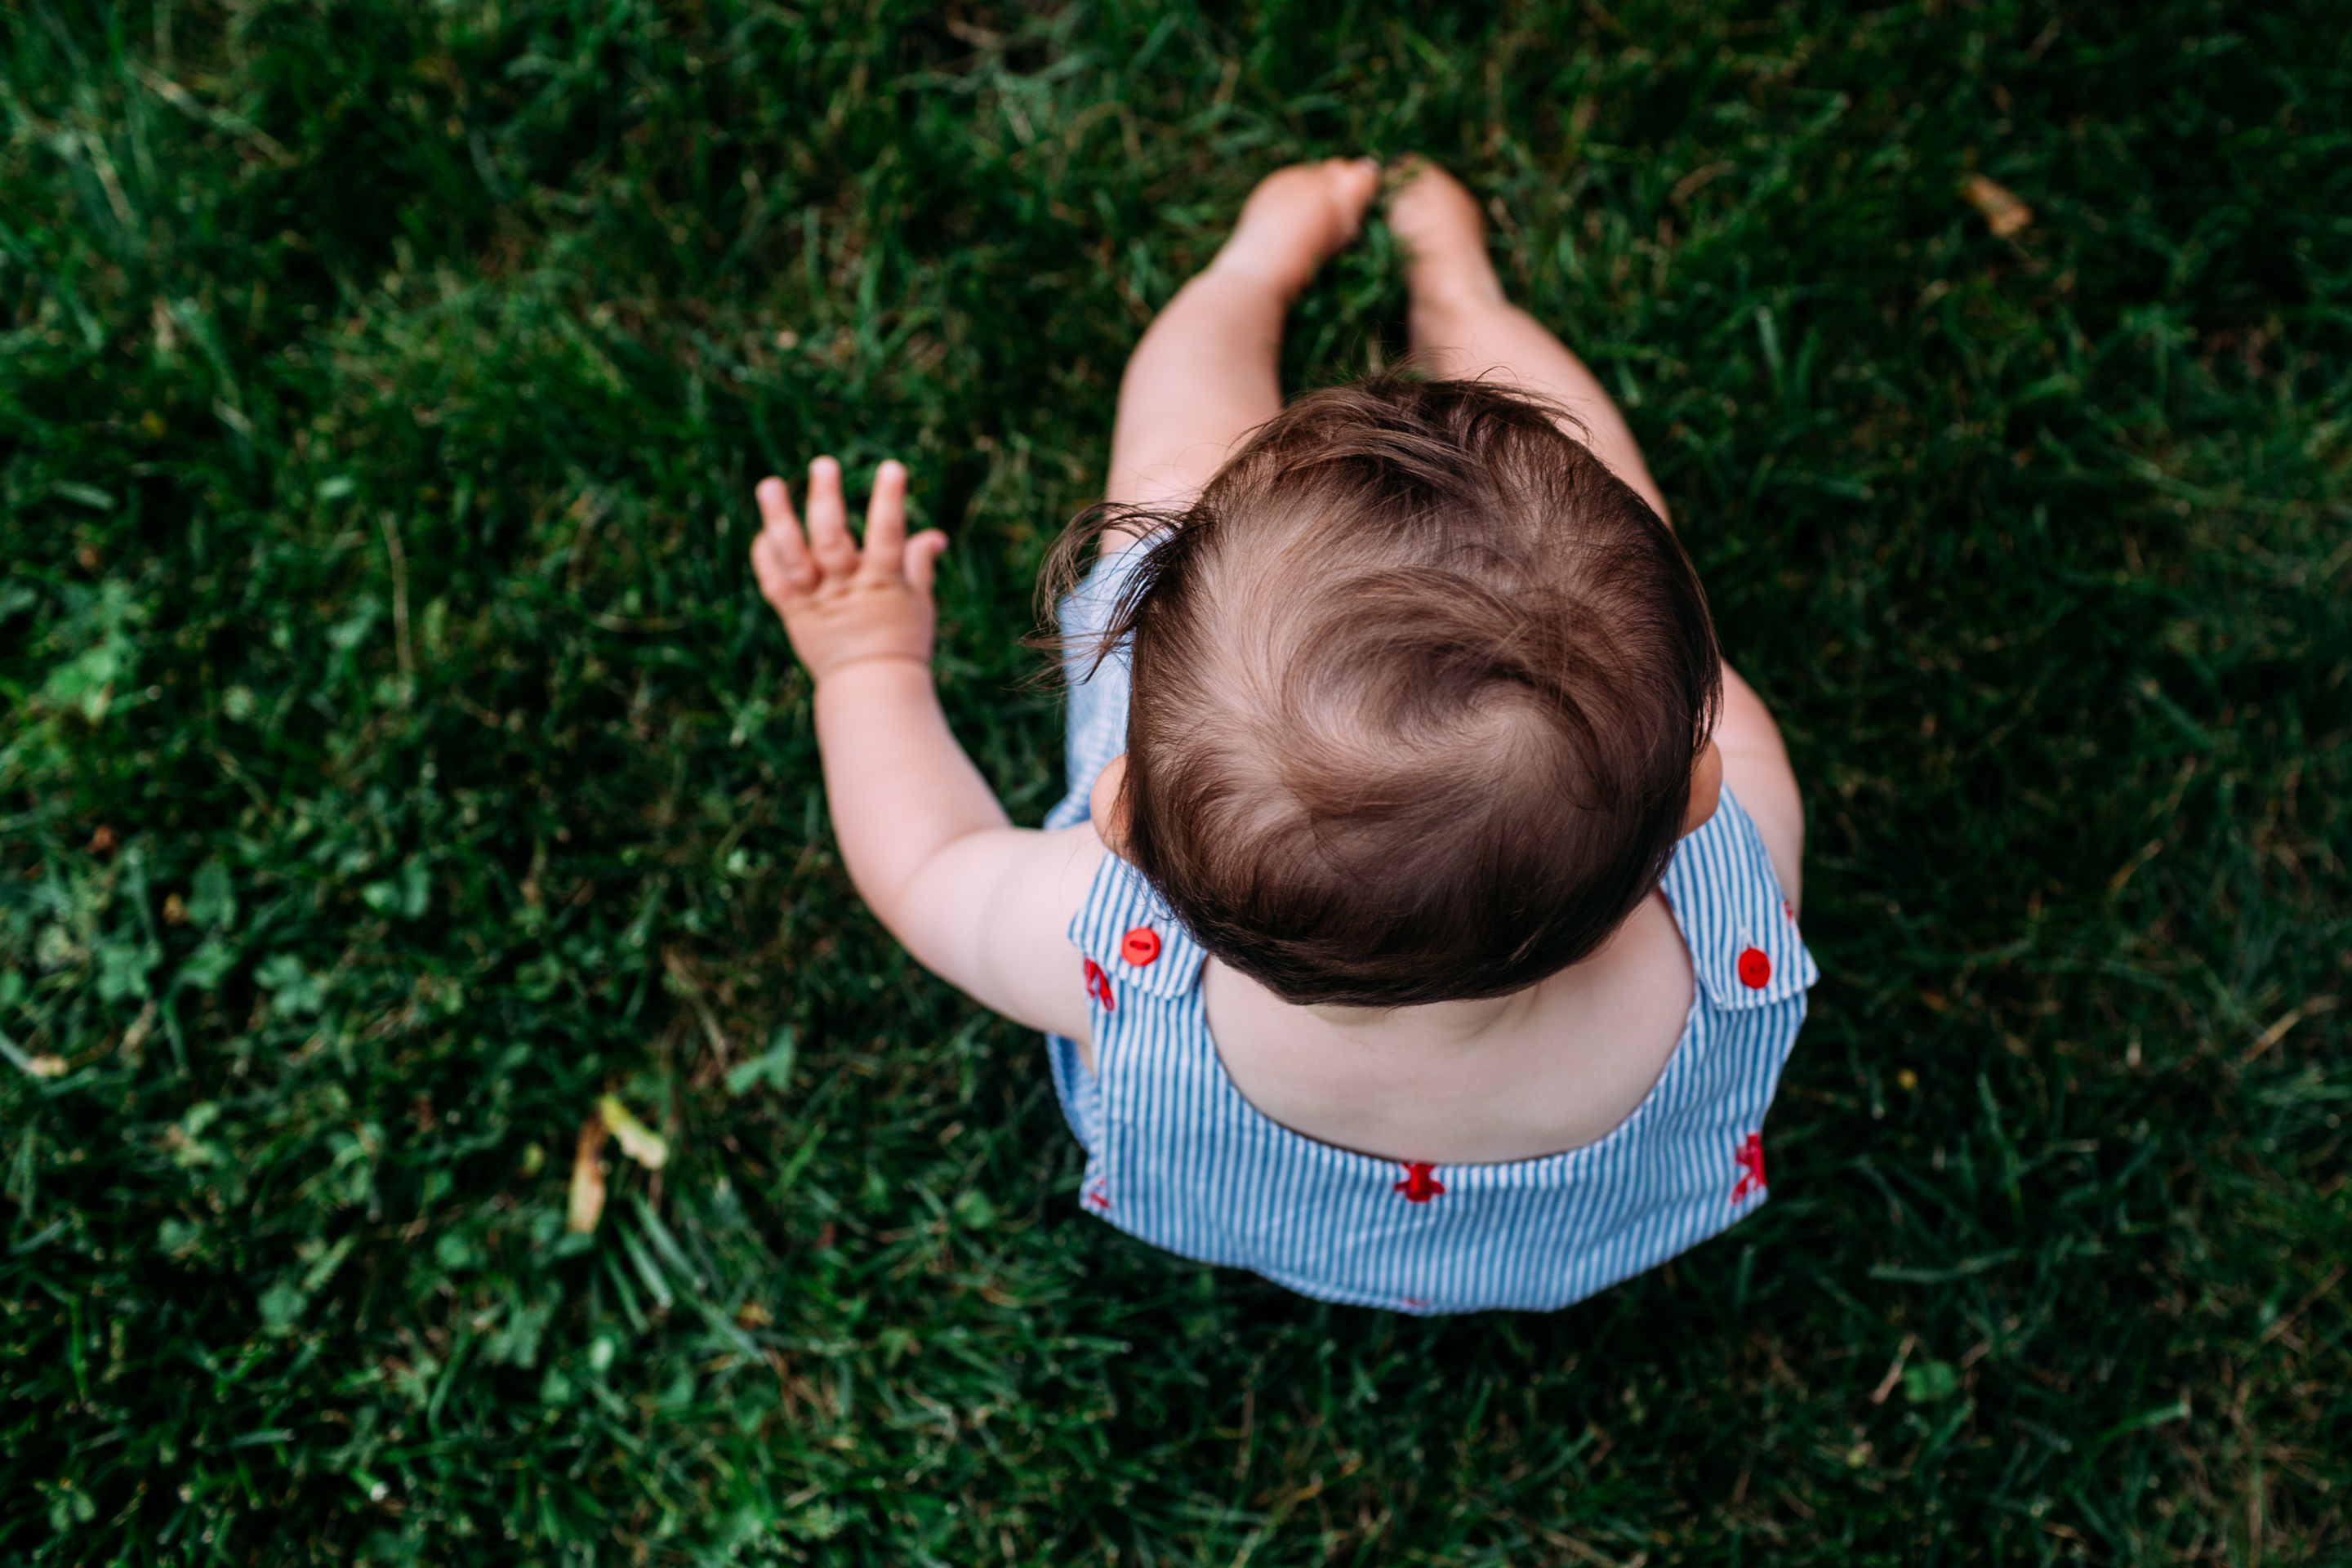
{"x":639,"y":1141}
{"x":2003,"y":213}
{"x":587,"y":1201}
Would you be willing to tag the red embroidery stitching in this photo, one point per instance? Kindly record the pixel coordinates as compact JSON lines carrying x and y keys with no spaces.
{"x":1099,"y":1196}
{"x":1419,"y":1187}
{"x":1749,"y":1157}
{"x":1098,"y":986}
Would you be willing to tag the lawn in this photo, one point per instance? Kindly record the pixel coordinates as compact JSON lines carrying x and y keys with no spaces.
{"x":395,"y":759}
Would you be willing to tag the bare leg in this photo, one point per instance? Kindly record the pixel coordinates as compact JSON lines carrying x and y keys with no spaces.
{"x":1463,"y":328}
{"x":1207,"y":371}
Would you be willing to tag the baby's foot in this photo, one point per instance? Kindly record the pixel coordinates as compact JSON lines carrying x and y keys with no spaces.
{"x":1445,"y":239}
{"x":1297,"y":218}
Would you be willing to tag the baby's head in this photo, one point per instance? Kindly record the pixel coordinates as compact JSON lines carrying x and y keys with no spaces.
{"x":1418,"y":690}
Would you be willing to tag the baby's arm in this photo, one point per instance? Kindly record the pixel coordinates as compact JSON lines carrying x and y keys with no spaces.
{"x":982,"y":904}
{"x":1756,"y":766}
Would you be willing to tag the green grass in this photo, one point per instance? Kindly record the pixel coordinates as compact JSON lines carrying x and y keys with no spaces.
{"x":396,"y":757}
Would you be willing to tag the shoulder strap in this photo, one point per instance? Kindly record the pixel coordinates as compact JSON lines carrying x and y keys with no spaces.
{"x":1742,"y":934}
{"x":1123,"y":927}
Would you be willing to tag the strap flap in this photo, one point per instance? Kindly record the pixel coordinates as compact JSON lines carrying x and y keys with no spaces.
{"x":1131,"y":937}
{"x":1743,"y":935}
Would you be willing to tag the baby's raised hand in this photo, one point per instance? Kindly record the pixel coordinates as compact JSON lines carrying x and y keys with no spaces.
{"x":841,"y":604}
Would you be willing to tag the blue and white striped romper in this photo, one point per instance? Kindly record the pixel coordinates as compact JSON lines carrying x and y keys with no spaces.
{"x":1176,"y":1157}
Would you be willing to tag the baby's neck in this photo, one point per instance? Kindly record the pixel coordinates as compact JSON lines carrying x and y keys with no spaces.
{"x":1504,"y":1077}
{"x":1454,"y":1025}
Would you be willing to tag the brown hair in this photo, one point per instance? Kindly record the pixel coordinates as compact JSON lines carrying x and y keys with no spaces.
{"x":1418,"y":688}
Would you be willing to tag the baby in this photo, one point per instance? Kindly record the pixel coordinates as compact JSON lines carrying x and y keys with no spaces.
{"x":1420,"y":930}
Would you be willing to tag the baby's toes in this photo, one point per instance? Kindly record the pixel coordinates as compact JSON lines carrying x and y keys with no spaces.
{"x":1351,"y":183}
{"x":1291,"y":223}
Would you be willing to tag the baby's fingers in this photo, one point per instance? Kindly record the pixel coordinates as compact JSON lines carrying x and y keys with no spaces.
{"x":775,"y":504}
{"x":828,"y":521}
{"x":922,"y":556}
{"x":886,"y":521}
{"x":779,"y":558}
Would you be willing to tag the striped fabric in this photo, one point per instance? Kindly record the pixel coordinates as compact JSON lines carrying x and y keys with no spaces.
{"x":1176,"y":1156}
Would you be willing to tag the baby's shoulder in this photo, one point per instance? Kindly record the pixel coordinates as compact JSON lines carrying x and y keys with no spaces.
{"x":997,"y":907}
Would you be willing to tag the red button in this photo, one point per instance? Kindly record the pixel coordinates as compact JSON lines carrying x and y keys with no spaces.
{"x":1755,"y":969}
{"x":1140,"y":946}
